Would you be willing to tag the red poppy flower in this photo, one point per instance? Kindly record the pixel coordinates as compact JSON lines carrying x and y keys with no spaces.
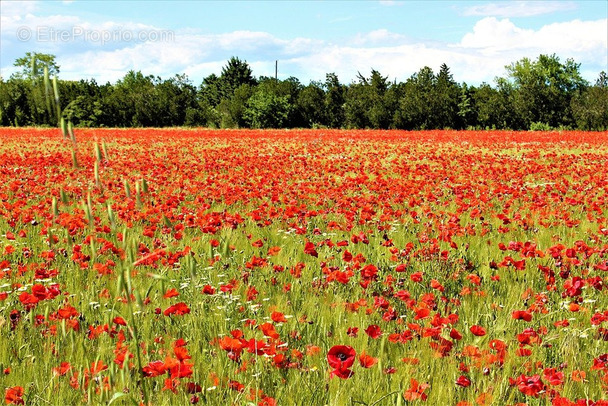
{"x":14,"y":396}
{"x":367,"y":361}
{"x":478,"y":331}
{"x":309,"y":249}
{"x":341,"y":356}
{"x":463,"y":381}
{"x":553,"y":377}
{"x":180,"y":309}
{"x":373,"y":331}
{"x":171,"y":293}
{"x":269,"y":330}
{"x":230,"y":344}
{"x":416,"y":391}
{"x":278,"y":317}
{"x":267,"y":401}
{"x":422,"y":313}
{"x":154,"y":368}
{"x":272,"y":251}
{"x":528,"y":385}
{"x":352,"y":332}
{"x":416,"y":277}
{"x":522,"y":315}
{"x":455,"y":334}
{"x":600,"y":363}
{"x":62,"y":369}
{"x":193,"y":387}
{"x":341,"y":373}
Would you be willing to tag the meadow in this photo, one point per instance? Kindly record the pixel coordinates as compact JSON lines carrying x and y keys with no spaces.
{"x":303,"y":267}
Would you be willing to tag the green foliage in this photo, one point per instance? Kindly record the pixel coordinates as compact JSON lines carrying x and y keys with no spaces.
{"x":266,"y":109}
{"x":210,"y":91}
{"x":235,"y":74}
{"x":310,"y":105}
{"x":232,"y":110}
{"x":544,"y":89}
{"x":445,"y":99}
{"x":590,"y":106}
{"x":334,"y":101}
{"x":33,"y":63}
{"x":15,"y":103}
{"x":132,"y":98}
{"x":491,"y":107}
{"x":415,"y":106}
{"x":466,"y":111}
{"x":533,"y":93}
{"x":368,"y":103}
{"x":540,"y":127}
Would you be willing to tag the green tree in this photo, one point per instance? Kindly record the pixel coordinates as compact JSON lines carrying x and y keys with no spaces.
{"x":590,"y":106}
{"x":310,"y":105}
{"x":381,"y":106}
{"x":209,"y":96}
{"x":272,"y":103}
{"x":366,"y":104}
{"x":543,"y":90}
{"x":80,"y":112}
{"x":355,"y":107}
{"x":266,"y":109}
{"x":491,"y":107}
{"x":541,"y":93}
{"x":222,"y":99}
{"x":133,"y":100}
{"x":232,"y":110}
{"x":33,"y":63}
{"x":175,"y":98}
{"x":14,"y":103}
{"x":235,"y":74}
{"x":445,"y":98}
{"x":39,"y":97}
{"x":415,"y":106}
{"x":334,"y":101}
{"x":210,"y":91}
{"x":466,"y":110}
{"x":84,"y":102}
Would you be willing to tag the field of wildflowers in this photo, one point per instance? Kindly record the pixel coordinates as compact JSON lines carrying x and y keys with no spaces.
{"x":303,"y":267}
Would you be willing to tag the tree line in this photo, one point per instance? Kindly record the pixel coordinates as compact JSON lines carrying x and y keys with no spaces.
{"x":540,"y":94}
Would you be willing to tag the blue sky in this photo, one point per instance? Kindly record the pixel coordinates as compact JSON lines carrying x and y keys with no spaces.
{"x":476,"y":39}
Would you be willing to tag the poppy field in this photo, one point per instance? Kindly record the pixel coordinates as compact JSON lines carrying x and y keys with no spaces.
{"x":303,"y":267}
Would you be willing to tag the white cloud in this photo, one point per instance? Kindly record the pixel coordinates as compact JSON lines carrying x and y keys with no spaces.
{"x":382,"y":37}
{"x":14,"y":9}
{"x":64,"y":31}
{"x":478,"y":56}
{"x":585,"y":41}
{"x":481,"y":55}
{"x":519,"y":8}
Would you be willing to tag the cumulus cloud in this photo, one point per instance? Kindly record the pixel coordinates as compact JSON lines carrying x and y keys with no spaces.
{"x":15,"y":9}
{"x":480,"y":55}
{"x":518,"y":8}
{"x":585,"y":41}
{"x":380,"y":37}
